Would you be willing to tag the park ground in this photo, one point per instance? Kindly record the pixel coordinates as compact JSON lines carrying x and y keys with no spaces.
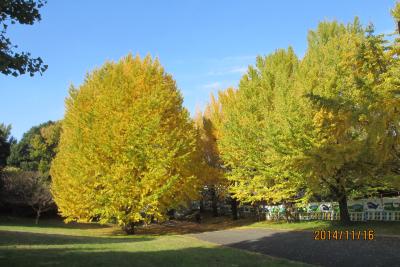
{"x":215,"y":242}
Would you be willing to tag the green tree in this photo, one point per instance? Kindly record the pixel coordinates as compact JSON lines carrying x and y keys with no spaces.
{"x":23,"y":12}
{"x":346,"y":134}
{"x":37,"y":148}
{"x":325,"y":125}
{"x":248,"y":123}
{"x":5,"y":144}
{"x":26,"y":180}
{"x":127,"y":147}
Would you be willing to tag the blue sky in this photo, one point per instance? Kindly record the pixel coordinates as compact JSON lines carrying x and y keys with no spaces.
{"x":205,"y":45}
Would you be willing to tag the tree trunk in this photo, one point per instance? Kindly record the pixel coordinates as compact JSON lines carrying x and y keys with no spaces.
{"x":258,"y":213}
{"x":234,"y":208}
{"x":339,"y":191}
{"x":201,"y":205}
{"x":37,"y":216}
{"x":344,"y":212}
{"x":214,"y":202}
{"x":287,"y":212}
{"x":129,"y":228}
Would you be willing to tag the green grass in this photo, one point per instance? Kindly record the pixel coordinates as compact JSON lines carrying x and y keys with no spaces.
{"x":52,"y":243}
{"x":380,"y":228}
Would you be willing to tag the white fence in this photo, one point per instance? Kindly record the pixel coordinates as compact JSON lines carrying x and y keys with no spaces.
{"x":372,"y":209}
{"x":332,"y":216}
{"x":378,"y":209}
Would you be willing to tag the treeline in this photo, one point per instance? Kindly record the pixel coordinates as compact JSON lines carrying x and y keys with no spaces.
{"x":326,"y":125}
{"x":24,"y":169}
{"x":322,"y":126}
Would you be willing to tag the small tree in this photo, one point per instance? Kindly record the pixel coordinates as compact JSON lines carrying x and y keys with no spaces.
{"x":28,"y":188}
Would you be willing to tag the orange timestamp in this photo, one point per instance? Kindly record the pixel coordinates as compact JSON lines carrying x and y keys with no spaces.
{"x":368,"y":234}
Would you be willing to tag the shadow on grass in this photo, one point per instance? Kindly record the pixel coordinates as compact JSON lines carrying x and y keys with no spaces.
{"x":49,"y":223}
{"x":194,"y":256}
{"x":10,"y":238}
{"x":172,"y":227}
{"x":301,"y":246}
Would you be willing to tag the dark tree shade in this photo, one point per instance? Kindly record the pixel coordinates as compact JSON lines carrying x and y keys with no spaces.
{"x":5,"y":143}
{"x":23,"y":12}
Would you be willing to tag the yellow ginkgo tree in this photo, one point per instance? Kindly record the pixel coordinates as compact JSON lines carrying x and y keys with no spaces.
{"x":127,"y":146}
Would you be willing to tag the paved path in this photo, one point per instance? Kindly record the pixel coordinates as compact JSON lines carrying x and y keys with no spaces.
{"x":301,"y":246}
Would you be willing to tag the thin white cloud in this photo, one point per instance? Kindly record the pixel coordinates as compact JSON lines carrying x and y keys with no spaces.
{"x":220,"y":85}
{"x":231,"y":65}
{"x":212,"y":86}
{"x":241,"y":70}
{"x":232,"y":60}
{"x":237,"y":58}
{"x":232,"y":70}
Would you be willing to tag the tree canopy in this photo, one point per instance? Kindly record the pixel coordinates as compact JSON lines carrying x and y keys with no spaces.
{"x":343,"y":81}
{"x":37,"y":148}
{"x":126,"y":147}
{"x":245,"y":139}
{"x":326,"y":124}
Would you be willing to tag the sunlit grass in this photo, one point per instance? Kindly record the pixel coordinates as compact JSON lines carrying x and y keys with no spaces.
{"x":54,"y":243}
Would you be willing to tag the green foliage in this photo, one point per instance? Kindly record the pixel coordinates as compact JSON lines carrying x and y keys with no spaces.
{"x":23,"y":12}
{"x":127,"y":146}
{"x":5,"y":144}
{"x":37,"y":148}
{"x":396,"y":11}
{"x":249,"y":121}
{"x":350,"y":109}
{"x":327,"y":124}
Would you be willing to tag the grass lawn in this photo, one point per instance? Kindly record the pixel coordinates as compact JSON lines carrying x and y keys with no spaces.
{"x":53,"y":243}
{"x":380,"y":228}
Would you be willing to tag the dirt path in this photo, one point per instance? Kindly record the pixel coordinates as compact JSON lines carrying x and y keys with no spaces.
{"x":301,"y":246}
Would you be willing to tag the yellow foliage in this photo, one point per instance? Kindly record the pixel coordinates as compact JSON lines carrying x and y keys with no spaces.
{"x":127,"y":146}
